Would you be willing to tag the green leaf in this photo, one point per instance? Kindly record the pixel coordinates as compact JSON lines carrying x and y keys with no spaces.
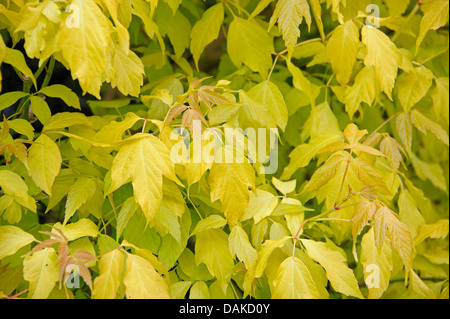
{"x":241,"y":248}
{"x":413,"y":86}
{"x":17,"y":60}
{"x":248,"y":43}
{"x":40,"y":108}
{"x":435,"y":16}
{"x":8,"y":99}
{"x":62,"y":92}
{"x":206,"y":30}
{"x":14,"y":186}
{"x":210,"y":222}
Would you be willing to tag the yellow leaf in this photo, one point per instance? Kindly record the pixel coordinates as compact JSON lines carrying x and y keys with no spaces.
{"x":342,"y":48}
{"x":423,"y":123}
{"x":294,"y":281}
{"x":210,"y":222}
{"x":339,"y":274}
{"x":284,"y":187}
{"x":413,"y":86}
{"x":144,"y":160}
{"x":42,"y":271}
{"x":289,"y":14}
{"x":419,"y":287}
{"x":82,"y":190}
{"x":241,"y":248}
{"x":408,"y":212}
{"x":128,"y":72}
{"x":404,"y":130}
{"x":14,"y":186}
{"x":397,"y":7}
{"x":363,"y":212}
{"x":81,"y":228}
{"x":260,"y":206}
{"x":85,"y":46}
{"x":436,"y":230}
{"x":435,"y":16}
{"x":377,"y":264}
{"x":440,"y":96}
{"x":230,"y":182}
{"x":383,"y":55}
{"x":44,"y":162}
{"x":13,"y":238}
{"x":106,"y":285}
{"x":211,"y":248}
{"x":386,"y":221}
{"x":142,"y":281}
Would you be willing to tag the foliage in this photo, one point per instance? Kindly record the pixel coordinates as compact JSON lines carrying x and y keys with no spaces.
{"x":357,"y":208}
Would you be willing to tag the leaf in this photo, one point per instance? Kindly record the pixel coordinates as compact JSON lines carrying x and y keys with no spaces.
{"x":17,"y":60}
{"x":294,"y":281}
{"x":325,"y":173}
{"x":142,"y":281}
{"x":44,"y":162}
{"x":268,"y":94}
{"x":229,"y":182}
{"x":144,"y":161}
{"x":435,"y":16}
{"x":128,"y":72}
{"x":408,"y":212}
{"x":302,"y":83}
{"x":62,"y":92}
{"x":413,"y":86}
{"x":317,"y":12}
{"x":404,"y":130}
{"x":377,"y":264}
{"x":240,"y":247}
{"x":260,"y":205}
{"x":41,"y":270}
{"x":339,"y":274}
{"x":370,"y":177}
{"x":250,"y":44}
{"x":253,"y":113}
{"x":9,"y":98}
{"x":13,"y":238}
{"x":106,"y":285}
{"x":392,"y":149}
{"x":422,"y":123}
{"x":364,"y":89}
{"x":260,"y":7}
{"x":211,"y":248}
{"x":440,"y":96}
{"x":199,"y":290}
{"x":383,"y":55}
{"x":284,"y":187}
{"x":206,"y":30}
{"x":436,"y":230}
{"x":210,"y":222}
{"x":289,"y":14}
{"x":431,"y":171}
{"x":85,"y":48}
{"x":363,"y":212}
{"x":387,"y":221}
{"x":397,"y":7}
{"x":40,"y":108}
{"x":23,"y":127}
{"x":419,"y":287}
{"x":342,"y":48}
{"x":13,"y":185}
{"x":81,"y":228}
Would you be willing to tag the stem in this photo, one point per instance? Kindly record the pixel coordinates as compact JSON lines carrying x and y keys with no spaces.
{"x":345,"y":173}
{"x":49,"y":72}
{"x":410,"y":15}
{"x":370,"y":137}
{"x":273,"y":66}
{"x":18,"y":294}
{"x":299,"y":44}
{"x":238,"y":7}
